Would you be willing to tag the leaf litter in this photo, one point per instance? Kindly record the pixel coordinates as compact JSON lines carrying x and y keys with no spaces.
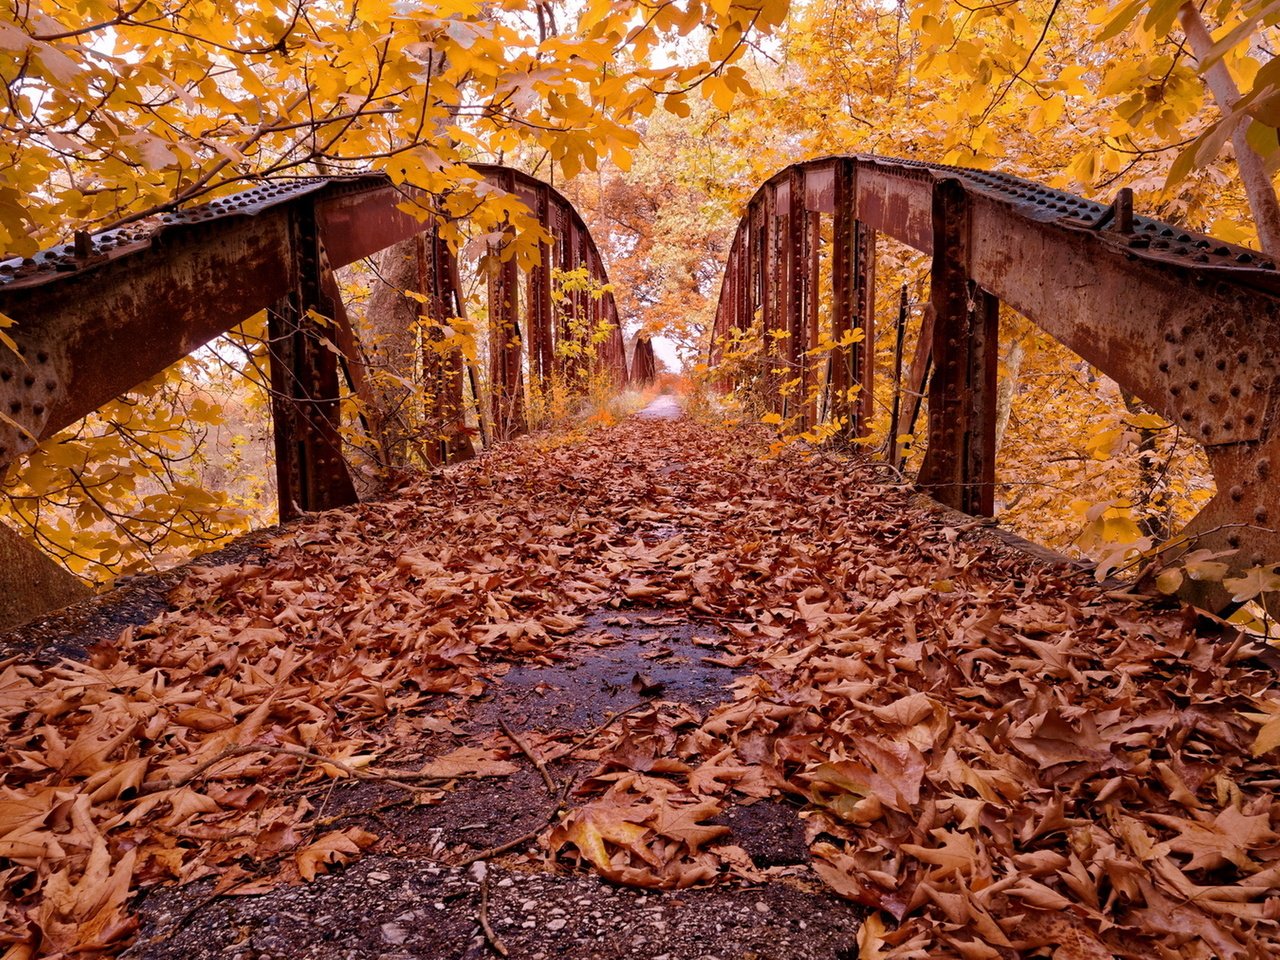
{"x":994,"y":756}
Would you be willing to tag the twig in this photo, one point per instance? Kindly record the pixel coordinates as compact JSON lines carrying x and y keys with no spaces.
{"x":520,"y":841}
{"x":602,"y":728}
{"x":559,"y":797}
{"x":482,"y":874}
{"x":397,"y":778}
{"x":375,"y":813}
{"x":552,"y":787}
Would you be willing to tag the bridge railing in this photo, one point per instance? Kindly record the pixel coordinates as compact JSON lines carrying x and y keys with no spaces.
{"x":1185,"y":322}
{"x":97,"y":317}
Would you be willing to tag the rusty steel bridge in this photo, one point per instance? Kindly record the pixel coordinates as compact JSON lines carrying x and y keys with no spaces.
{"x":1187,"y":323}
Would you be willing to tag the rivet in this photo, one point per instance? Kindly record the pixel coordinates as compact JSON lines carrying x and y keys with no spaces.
{"x":1228,"y":424}
{"x":1215,"y":398}
{"x":1221,"y":364}
{"x":1175,"y":391}
{"x":1250,"y":419}
{"x":1199,"y":352}
{"x":50,"y":385}
{"x":1256,"y":560}
{"x":1194,"y":385}
{"x":38,"y":409}
{"x":1181,"y":359}
{"x":1263,"y":467}
{"x":1233,"y":539}
{"x":1260,"y":515}
{"x":1242,"y":356}
{"x":1237,"y":493}
{"x":1169,"y":337}
{"x":15,"y":406}
{"x":1186,"y":331}
{"x":1186,"y":415}
{"x":29,"y":379}
{"x":1164,"y":366}
{"x":1229,"y":332}
{"x":1235,"y":390}
{"x":42,"y":357}
{"x":1206,"y":429}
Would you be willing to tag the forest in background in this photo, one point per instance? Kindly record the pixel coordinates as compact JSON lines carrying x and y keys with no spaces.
{"x":659,"y":120}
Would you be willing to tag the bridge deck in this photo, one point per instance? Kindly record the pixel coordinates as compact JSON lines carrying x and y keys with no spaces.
{"x":788,"y":682}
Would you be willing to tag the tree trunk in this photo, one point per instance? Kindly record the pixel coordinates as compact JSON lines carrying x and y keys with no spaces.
{"x":389,"y":334}
{"x":1257,"y":182}
{"x":1009,"y":384}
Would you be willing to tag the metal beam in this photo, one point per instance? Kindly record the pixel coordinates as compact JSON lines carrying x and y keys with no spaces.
{"x":844,"y":294}
{"x":959,"y":461}
{"x":862,"y":355}
{"x":311,"y":472}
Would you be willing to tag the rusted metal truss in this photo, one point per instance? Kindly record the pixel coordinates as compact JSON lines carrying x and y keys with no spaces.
{"x":97,"y":317}
{"x":644,"y":365}
{"x":1188,"y":323}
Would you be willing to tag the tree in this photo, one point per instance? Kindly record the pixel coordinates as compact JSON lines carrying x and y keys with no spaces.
{"x":665,"y":224}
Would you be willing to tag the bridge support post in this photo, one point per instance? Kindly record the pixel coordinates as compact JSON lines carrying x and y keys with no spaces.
{"x":959,"y":462}
{"x":311,"y":473}
{"x":812,"y":298}
{"x":793,"y":262}
{"x":538,"y":297}
{"x":506,"y":381}
{"x":844,"y":285}
{"x":862,"y":355}
{"x":853,"y":272}
{"x":442,"y":368}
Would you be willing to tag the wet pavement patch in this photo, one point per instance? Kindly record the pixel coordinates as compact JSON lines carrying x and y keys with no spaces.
{"x":615,"y":660}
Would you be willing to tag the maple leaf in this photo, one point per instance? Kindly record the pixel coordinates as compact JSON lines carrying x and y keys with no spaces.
{"x":682,"y":822}
{"x":1225,"y":839}
{"x":592,"y":827}
{"x":958,"y":851}
{"x":339,"y":846}
{"x":468,"y":762}
{"x":1050,"y":739}
{"x":88,"y":914}
{"x":1268,"y":737}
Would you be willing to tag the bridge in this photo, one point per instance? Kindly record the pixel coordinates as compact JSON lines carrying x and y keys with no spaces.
{"x":642,"y":655}
{"x":1183,"y":321}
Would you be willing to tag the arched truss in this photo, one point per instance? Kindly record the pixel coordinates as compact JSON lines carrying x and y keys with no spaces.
{"x":1186,"y":322}
{"x":97,"y":317}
